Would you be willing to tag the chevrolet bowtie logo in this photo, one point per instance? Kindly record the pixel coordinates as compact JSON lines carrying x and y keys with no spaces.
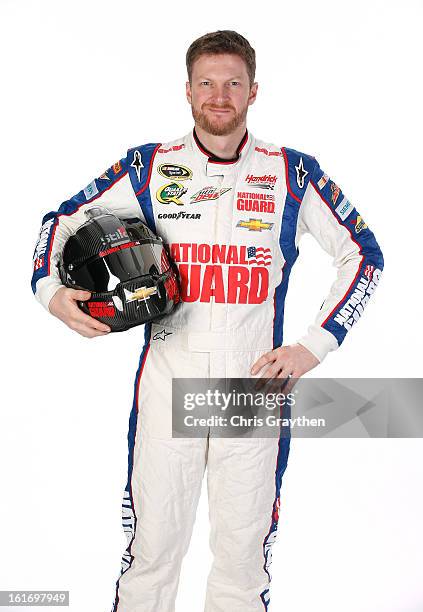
{"x":255,"y":225}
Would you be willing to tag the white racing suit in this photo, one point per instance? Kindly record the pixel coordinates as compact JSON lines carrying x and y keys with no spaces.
{"x":233,"y":229}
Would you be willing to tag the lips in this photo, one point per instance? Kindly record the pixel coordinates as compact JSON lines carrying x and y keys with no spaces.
{"x":219,"y":110}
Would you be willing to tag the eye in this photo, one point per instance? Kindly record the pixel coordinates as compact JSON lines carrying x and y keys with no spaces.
{"x":235,"y":83}
{"x":205,"y":83}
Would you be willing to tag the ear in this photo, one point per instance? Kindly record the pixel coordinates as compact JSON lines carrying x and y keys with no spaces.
{"x":253,"y":93}
{"x":188,"y":92}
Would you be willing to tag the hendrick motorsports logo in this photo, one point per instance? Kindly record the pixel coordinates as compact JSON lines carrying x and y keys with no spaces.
{"x":173,"y":171}
{"x":171,"y":193}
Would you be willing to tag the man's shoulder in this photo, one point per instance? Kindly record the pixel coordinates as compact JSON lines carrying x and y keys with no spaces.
{"x":177,"y":144}
{"x":272,"y":149}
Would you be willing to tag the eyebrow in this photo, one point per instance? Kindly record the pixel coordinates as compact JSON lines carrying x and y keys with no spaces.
{"x":206,"y":78}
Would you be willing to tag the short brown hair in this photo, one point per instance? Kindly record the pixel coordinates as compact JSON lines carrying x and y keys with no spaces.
{"x":219,"y":42}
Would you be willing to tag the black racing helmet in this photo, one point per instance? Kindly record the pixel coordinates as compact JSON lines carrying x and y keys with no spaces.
{"x":124,"y":265}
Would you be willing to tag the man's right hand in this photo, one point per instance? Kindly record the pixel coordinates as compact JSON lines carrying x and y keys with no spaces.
{"x":63,"y":305}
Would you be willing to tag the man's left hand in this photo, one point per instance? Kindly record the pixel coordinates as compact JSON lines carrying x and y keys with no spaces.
{"x":285,"y":362}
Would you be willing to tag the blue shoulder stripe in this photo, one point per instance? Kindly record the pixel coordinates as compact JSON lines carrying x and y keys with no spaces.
{"x":298,"y":171}
{"x":140,"y":165}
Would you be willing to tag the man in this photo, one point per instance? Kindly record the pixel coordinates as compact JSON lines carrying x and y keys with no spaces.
{"x":232,"y":209}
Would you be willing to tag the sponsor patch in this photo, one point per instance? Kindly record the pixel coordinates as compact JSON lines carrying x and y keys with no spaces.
{"x":354,"y":306}
{"x":171,"y":192}
{"x":174,"y":148}
{"x":90,"y":190}
{"x":359,"y":224}
{"x":41,"y":246}
{"x":255,"y":225}
{"x":175,"y":171}
{"x":117,"y":167}
{"x":209,"y":193}
{"x":266,"y":152}
{"x":335,"y":191}
{"x":344,"y":209}
{"x":104,"y":176}
{"x":220,"y":273}
{"x":267,"y":179}
{"x":322,"y":182}
{"x":179,"y":215}
{"x":255,"y":202}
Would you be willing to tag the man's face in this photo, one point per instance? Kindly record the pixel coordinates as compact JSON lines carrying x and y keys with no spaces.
{"x":220,"y":93}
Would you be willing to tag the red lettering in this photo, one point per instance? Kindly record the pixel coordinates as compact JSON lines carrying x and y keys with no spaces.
{"x":213,"y":285}
{"x":259,"y":285}
{"x":219,"y":253}
{"x":238,"y":277}
{"x":203,"y":253}
{"x":190,"y":282}
{"x":174,"y":252}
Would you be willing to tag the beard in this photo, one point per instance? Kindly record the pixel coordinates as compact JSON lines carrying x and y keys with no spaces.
{"x":219,"y":126}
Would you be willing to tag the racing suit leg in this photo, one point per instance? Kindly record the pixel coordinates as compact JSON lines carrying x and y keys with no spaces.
{"x":244,"y":477}
{"x":164,"y":484}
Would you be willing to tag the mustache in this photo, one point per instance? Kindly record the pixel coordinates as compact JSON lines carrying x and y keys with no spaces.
{"x":217,"y":107}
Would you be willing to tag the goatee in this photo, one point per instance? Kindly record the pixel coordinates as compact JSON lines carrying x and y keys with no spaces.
{"x":217,"y":128}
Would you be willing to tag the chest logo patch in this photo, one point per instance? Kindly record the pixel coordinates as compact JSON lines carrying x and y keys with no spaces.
{"x":209,"y":193}
{"x":173,"y":171}
{"x":255,"y":225}
{"x":171,"y":192}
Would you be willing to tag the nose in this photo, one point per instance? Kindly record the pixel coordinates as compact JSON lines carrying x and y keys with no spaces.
{"x":220,"y":94}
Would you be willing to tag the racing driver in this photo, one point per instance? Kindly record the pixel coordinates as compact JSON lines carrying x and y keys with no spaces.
{"x":232,"y":209}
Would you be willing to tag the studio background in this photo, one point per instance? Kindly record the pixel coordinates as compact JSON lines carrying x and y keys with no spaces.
{"x":82,"y":83}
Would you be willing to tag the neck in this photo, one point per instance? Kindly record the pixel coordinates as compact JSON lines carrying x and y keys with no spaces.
{"x":222,"y":146}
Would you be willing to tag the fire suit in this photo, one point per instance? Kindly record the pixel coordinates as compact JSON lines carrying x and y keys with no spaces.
{"x":233,"y":229}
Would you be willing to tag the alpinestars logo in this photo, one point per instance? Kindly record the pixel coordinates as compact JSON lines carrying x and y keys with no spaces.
{"x":301,"y":173}
{"x":353,"y":308}
{"x":137,"y":164}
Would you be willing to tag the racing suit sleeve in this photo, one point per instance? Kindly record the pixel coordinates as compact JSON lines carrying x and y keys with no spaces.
{"x":341,"y":231}
{"x":113,"y":190}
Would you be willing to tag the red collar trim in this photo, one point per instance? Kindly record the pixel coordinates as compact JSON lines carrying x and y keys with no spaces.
{"x":218,"y":160}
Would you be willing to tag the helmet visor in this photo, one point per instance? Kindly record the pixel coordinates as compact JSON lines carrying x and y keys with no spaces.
{"x":116,"y":264}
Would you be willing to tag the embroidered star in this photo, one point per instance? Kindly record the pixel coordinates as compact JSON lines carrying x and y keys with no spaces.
{"x":301,"y":173}
{"x":137,"y":164}
{"x":161,"y":335}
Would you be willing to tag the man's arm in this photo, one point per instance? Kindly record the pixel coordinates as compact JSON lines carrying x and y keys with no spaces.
{"x":341,"y":231}
{"x":114,"y":191}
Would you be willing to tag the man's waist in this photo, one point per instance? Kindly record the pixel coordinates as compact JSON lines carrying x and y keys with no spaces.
{"x":239,"y":339}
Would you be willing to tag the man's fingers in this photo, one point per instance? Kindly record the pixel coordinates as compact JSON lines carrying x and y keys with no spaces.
{"x":262,"y":361}
{"x":79,"y":294}
{"x":88,"y":332}
{"x":80,"y":319}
